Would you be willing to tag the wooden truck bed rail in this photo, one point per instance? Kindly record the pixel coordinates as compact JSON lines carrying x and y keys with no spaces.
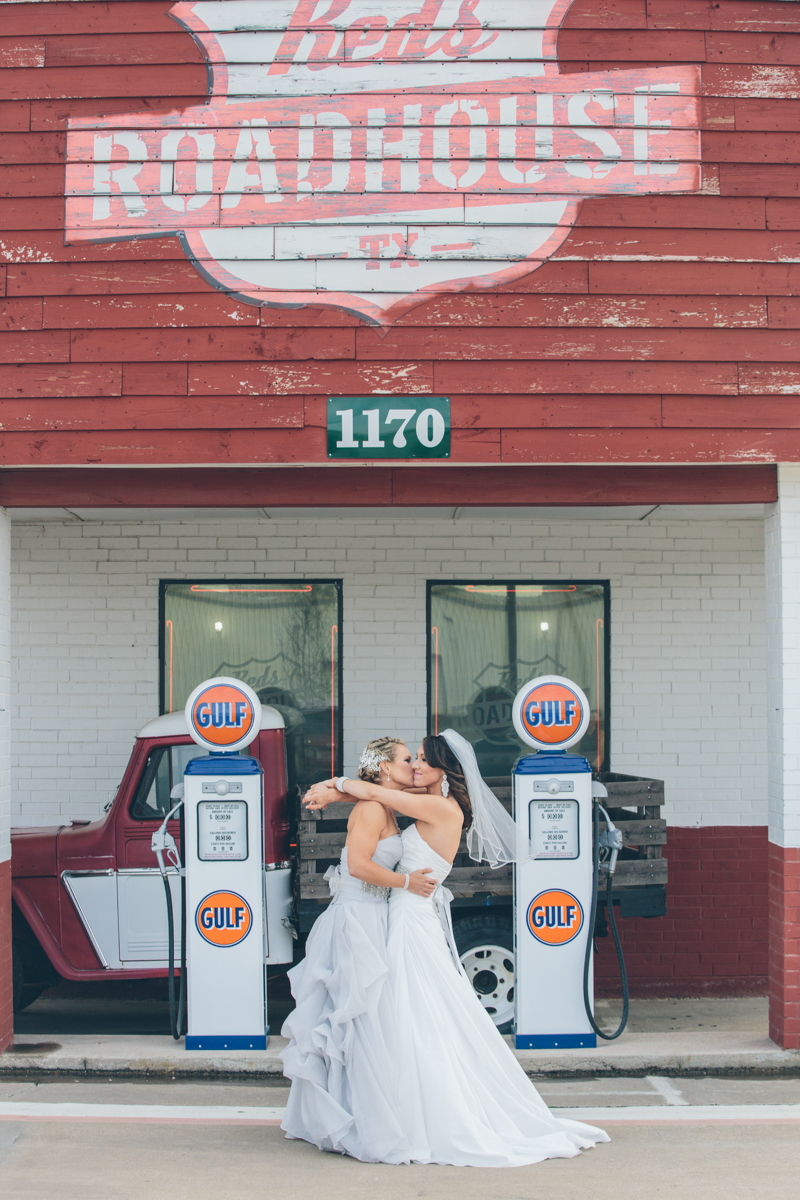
{"x":634,"y":805}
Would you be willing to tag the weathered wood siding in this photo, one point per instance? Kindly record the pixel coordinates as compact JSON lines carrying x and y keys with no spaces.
{"x":663,"y":330}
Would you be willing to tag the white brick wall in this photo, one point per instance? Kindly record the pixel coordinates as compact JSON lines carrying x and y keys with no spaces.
{"x":782,"y":529}
{"x":688,"y":657}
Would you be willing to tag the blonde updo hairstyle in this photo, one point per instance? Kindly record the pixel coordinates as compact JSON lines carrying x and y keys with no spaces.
{"x":379,"y":750}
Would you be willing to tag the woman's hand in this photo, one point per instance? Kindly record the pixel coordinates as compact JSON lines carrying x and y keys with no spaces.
{"x":322,"y":794}
{"x":419,"y":885}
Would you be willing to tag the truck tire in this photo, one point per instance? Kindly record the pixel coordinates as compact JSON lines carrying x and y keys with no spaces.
{"x":23,"y":994}
{"x":485,"y":947}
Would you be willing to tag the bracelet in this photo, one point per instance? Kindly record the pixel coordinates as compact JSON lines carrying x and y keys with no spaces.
{"x":340,"y":782}
{"x":407,"y":882}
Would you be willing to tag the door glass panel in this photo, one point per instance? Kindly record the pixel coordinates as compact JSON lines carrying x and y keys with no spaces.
{"x":281,"y":637}
{"x":164,"y":768}
{"x":485,"y":640}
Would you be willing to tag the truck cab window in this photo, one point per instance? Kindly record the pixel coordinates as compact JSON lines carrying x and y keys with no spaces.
{"x":164,"y":768}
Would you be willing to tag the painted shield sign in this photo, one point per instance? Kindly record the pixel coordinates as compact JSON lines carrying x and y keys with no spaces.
{"x":551,"y":713}
{"x":223,"y":714}
{"x":555,"y":917}
{"x":223,"y":918}
{"x":356,"y":154}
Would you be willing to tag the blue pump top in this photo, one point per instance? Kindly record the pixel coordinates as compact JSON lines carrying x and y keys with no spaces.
{"x":224,"y":764}
{"x":550,"y":763}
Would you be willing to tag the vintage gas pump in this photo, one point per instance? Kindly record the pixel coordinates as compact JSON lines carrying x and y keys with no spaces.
{"x":555,"y":897}
{"x":224,"y":911}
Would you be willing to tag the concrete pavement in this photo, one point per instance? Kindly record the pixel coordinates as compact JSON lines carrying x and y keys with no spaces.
{"x":668,"y":1147}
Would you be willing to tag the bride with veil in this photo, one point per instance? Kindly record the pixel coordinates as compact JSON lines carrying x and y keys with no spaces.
{"x":462,"y":1097}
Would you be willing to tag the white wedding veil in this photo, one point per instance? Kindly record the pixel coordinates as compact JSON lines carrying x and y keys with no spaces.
{"x":493,"y":835}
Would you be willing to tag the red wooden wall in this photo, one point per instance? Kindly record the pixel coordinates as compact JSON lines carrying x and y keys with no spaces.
{"x":665,"y":329}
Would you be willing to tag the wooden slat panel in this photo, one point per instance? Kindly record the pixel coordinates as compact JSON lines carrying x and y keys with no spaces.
{"x":777,"y":379}
{"x":631,"y":346}
{"x":20,"y":314}
{"x":768,"y":115}
{"x":750,"y":147}
{"x":123,"y":49}
{"x":47,"y":83}
{"x":631,"y":46}
{"x":702,"y":412}
{"x":735,"y":279}
{"x":137,"y":312}
{"x":14,"y":116}
{"x":344,"y":379}
{"x":777,"y":49}
{"x":621,"y":312}
{"x":672,"y":212}
{"x":40,"y":380}
{"x":212,"y":345}
{"x":628,"y":445}
{"x":90,"y":16}
{"x":780,"y":82}
{"x":21,"y":51}
{"x":757,"y":180}
{"x":727,"y":15}
{"x":467,"y":881}
{"x":151,"y":412}
{"x":715,"y":379}
{"x":783,"y":214}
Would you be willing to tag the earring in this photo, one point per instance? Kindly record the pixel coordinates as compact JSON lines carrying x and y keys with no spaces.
{"x":445,"y":786}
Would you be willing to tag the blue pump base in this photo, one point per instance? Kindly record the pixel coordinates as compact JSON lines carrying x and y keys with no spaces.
{"x":233,"y":1042}
{"x":555,"y":1041}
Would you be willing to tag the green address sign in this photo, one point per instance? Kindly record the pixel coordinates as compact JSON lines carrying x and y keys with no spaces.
{"x":388,"y":427}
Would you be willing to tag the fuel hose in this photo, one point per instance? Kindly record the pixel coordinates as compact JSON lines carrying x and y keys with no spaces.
{"x":587,"y":962}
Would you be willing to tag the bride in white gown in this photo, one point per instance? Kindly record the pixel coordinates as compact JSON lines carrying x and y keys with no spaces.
{"x":343,"y":1096}
{"x":462,"y":1097}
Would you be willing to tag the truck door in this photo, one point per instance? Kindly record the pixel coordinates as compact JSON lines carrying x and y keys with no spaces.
{"x":140,"y":891}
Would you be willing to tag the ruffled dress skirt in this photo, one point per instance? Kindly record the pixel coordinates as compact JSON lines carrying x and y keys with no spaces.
{"x":464,"y":1098}
{"x":343,"y":1071}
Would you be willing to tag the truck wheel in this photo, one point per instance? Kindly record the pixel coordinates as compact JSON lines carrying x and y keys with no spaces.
{"x":485,"y":948}
{"x":23,"y":994}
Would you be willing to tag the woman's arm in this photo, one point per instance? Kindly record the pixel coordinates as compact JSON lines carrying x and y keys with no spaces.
{"x":362,"y":842}
{"x":422,"y":807}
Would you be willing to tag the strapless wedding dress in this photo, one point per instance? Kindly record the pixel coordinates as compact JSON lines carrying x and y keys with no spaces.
{"x":462,"y":1096}
{"x":339,"y":1057}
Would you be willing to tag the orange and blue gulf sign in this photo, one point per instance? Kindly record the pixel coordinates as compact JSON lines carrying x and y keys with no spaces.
{"x":223,"y":918}
{"x":555,"y":917}
{"x":223,"y":714}
{"x":550,"y":713}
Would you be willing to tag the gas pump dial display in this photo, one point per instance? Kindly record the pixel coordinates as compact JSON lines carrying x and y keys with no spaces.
{"x":554,"y":828}
{"x":222,"y":831}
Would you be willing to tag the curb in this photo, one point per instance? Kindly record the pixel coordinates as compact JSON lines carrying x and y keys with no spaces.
{"x":120,"y":1058}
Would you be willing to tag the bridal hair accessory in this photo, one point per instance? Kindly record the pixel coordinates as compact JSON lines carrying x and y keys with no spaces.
{"x":445,"y":786}
{"x":492,"y":837}
{"x":371,"y":760}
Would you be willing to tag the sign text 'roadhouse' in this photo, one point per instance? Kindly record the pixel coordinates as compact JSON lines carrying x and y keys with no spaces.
{"x":355,"y":154}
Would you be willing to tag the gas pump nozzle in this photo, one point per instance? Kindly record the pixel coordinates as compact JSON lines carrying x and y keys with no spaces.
{"x":162,"y":842}
{"x":611,"y":838}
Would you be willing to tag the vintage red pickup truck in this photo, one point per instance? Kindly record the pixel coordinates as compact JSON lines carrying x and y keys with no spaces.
{"x":88,"y":898}
{"x":89,"y":901}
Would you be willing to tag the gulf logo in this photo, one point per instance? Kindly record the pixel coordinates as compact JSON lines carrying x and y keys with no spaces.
{"x":555,"y":917}
{"x":223,"y":919}
{"x":223,"y":714}
{"x":551,"y":713}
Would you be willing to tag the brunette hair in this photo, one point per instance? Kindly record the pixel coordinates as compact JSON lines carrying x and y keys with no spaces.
{"x":382,"y":749}
{"x":438,"y":754}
